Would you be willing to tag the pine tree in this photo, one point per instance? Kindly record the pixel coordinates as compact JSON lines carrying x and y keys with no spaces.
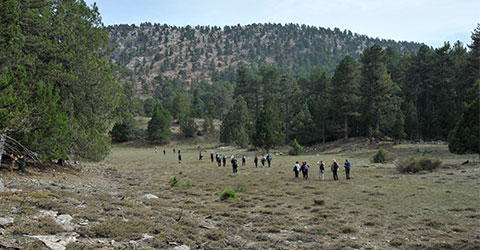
{"x":376,"y":90}
{"x":344,"y":93}
{"x":305,"y":129}
{"x":236,"y":124}
{"x":159,"y":126}
{"x":268,"y":126}
{"x":187,"y":125}
{"x":465,"y":137}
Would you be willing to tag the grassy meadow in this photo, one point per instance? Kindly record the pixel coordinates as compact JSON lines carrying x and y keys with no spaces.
{"x":379,"y":208}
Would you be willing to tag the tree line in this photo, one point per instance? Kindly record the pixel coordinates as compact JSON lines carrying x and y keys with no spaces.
{"x":413,"y":96}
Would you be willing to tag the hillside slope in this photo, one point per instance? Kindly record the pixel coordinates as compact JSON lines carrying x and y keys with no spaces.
{"x":154,"y":52}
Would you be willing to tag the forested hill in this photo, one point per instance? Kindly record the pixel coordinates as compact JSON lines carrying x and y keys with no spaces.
{"x":206,"y":53}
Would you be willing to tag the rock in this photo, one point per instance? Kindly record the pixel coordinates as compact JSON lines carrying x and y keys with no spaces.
{"x":150,"y":196}
{"x":2,"y":187}
{"x":48,"y":213}
{"x":57,"y":242}
{"x":182,"y":247}
{"x":6,"y":220}
{"x":65,"y":221}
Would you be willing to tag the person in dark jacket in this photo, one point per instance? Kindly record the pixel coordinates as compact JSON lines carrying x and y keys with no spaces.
{"x":269,"y":159}
{"x":305,"y":170}
{"x":263,"y":161}
{"x":179,"y":158}
{"x":255,"y":160}
{"x":235,"y":165}
{"x":347,"y":166}
{"x":244,"y":160}
{"x":200,"y":156}
{"x":296,"y":169}
{"x":224,"y":159}
{"x":219,"y":160}
{"x":211,"y":156}
{"x":334,"y":170}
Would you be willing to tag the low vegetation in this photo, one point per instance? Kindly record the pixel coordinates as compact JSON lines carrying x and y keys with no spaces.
{"x":413,"y":165}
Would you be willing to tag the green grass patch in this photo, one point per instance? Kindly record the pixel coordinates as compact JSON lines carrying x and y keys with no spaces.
{"x":228,"y":194}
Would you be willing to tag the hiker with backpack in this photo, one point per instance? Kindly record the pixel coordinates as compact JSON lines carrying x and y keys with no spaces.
{"x":219,"y":160}
{"x":269,"y":159}
{"x":321,"y":170}
{"x":255,"y":160}
{"x":234,"y":165}
{"x":200,"y":156}
{"x":211,"y":156}
{"x":179,"y":158}
{"x":224,"y":159}
{"x":305,"y":168}
{"x":296,"y":169}
{"x":334,"y":170}
{"x":263,"y":161}
{"x":347,"y":166}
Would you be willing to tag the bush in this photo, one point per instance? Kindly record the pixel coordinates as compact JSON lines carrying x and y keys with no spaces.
{"x":173,"y":181}
{"x":294,"y":148}
{"x":227,"y":194}
{"x":188,"y":184}
{"x":380,"y":156}
{"x":416,"y":165}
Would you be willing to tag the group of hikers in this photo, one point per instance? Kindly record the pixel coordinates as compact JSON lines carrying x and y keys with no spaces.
{"x":233,"y":160}
{"x":297,"y":168}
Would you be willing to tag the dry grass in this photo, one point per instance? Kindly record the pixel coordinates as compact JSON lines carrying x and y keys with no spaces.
{"x":378,"y":208}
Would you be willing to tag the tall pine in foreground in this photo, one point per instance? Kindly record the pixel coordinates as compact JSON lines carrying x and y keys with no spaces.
{"x":54,"y":55}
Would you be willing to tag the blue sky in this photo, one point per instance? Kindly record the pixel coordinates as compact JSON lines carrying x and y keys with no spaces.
{"x":428,"y":21}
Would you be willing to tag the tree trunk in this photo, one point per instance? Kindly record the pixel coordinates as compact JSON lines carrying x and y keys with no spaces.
{"x":323,"y":135}
{"x":370,"y":134}
{"x":345,"y":129}
{"x":2,"y":143}
{"x":377,"y":131}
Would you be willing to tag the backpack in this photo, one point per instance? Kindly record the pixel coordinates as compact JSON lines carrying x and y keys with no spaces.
{"x":269,"y":158}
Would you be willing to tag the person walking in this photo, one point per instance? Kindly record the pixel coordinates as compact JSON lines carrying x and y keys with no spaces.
{"x":334,"y":170}
{"x":179,"y":158}
{"x":156,"y":149}
{"x":255,"y":160}
{"x":269,"y":159}
{"x":174,"y":150}
{"x":200,"y":156}
{"x":321,"y":170}
{"x":296,"y":169}
{"x":224,"y":159}
{"x":244,"y":160}
{"x":219,"y":160}
{"x":305,"y":168}
{"x":263,"y":161}
{"x":347,"y":166}
{"x":164,"y":151}
{"x":211,"y":156}
{"x":234,"y":165}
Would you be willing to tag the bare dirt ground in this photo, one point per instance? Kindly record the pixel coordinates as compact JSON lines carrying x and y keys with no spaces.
{"x":127,"y":202}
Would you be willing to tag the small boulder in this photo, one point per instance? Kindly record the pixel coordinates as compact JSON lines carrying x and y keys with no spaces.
{"x":6,"y":220}
{"x":150,"y":196}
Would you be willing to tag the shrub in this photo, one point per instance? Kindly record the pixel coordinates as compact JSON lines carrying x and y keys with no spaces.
{"x":348,"y":230}
{"x":173,"y":181}
{"x":416,"y":165}
{"x":227,"y":194}
{"x":188,"y":184}
{"x":380,"y":156}
{"x":295,"y":148}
